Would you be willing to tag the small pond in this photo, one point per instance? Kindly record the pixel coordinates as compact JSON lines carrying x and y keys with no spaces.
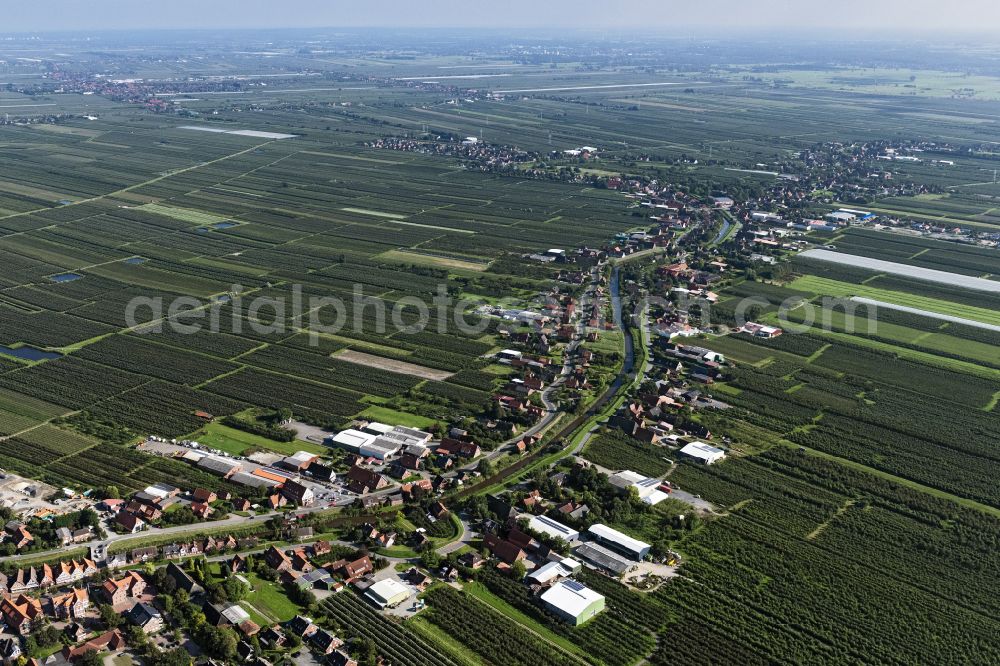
{"x":28,"y":353}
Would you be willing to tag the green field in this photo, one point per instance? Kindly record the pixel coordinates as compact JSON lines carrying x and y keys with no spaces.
{"x":837,"y":289}
{"x":231,"y":440}
{"x":396,"y":417}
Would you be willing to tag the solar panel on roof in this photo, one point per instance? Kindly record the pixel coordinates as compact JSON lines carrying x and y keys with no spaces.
{"x":574,"y":585}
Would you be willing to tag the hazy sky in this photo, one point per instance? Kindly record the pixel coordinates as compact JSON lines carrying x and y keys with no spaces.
{"x":892,"y":16}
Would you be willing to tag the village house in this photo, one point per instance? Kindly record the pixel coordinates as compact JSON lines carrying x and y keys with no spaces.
{"x":363,"y":481}
{"x":71,"y":605}
{"x":145,"y":554}
{"x":183,"y":579}
{"x":118,"y":591}
{"x":204,"y":496}
{"x":21,"y":537}
{"x":298,"y":493}
{"x":146,"y":617}
{"x":112,"y":641}
{"x":201,"y":510}
{"x":10,"y":650}
{"x":21,"y":613}
{"x":277,"y":559}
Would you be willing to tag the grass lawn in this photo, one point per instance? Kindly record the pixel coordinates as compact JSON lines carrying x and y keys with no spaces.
{"x":231,"y":440}
{"x":608,"y":342}
{"x":499,"y":370}
{"x":269,"y":600}
{"x":394,"y":417}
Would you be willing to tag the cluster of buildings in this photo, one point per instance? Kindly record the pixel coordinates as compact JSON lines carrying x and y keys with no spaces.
{"x":262,"y":477}
{"x":298,"y":566}
{"x":22,"y":613}
{"x":46,"y":576}
{"x":380,"y":442}
{"x":282,"y":487}
{"x":550,"y":574}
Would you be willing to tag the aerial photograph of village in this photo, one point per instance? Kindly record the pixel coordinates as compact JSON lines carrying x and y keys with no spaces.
{"x":516,"y":334}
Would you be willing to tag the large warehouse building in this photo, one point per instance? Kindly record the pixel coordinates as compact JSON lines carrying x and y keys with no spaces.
{"x":621,"y":543}
{"x":572,"y":601}
{"x":388,"y":593}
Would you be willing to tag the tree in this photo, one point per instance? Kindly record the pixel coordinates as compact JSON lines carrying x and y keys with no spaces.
{"x":219,"y":642}
{"x":485,"y":467}
{"x":430,"y":559}
{"x":109,"y":616}
{"x":91,"y":658}
{"x":518,"y":570}
{"x":175,"y":657}
{"x":367,"y":651}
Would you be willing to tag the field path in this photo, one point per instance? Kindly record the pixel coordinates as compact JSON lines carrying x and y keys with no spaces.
{"x":392,"y":365}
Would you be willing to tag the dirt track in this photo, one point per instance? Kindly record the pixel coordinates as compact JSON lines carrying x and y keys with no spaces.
{"x":392,"y":365}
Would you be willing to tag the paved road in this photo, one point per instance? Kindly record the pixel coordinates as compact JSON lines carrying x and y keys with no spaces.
{"x":464,"y":539}
{"x":191,"y":530}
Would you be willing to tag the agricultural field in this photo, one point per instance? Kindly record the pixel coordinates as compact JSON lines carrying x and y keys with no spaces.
{"x":251,"y":236}
{"x":881,"y":388}
{"x":93,"y":266}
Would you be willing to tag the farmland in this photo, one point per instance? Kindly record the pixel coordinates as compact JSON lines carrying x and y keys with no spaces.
{"x":287,"y":254}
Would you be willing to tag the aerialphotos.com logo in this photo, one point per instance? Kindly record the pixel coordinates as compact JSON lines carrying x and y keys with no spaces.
{"x":237,"y":312}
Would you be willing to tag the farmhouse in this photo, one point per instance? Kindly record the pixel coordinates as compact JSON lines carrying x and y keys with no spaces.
{"x":617,"y":541}
{"x":573,"y":602}
{"x":363,"y":481}
{"x":352,"y":570}
{"x":760,"y":330}
{"x":504,"y":550}
{"x":130,"y":522}
{"x":298,"y":493}
{"x":387,"y":593}
{"x":703,"y":452}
